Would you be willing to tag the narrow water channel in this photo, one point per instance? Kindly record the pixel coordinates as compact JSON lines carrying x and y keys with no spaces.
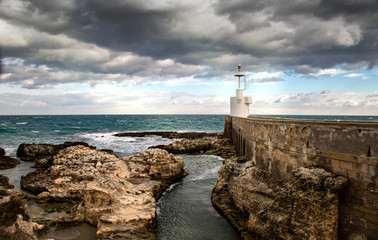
{"x":185,"y":211}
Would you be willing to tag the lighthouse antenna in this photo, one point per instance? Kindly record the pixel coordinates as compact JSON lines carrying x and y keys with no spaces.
{"x":239,"y":105}
{"x":239,"y":74}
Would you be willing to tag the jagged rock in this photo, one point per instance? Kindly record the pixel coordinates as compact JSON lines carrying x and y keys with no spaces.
{"x":37,"y":181}
{"x":15,"y":221}
{"x":4,"y":182}
{"x":188,"y":135}
{"x":2,"y":152}
{"x":8,"y":162}
{"x":188,"y":146}
{"x":32,"y":152}
{"x":220,"y":147}
{"x":117,"y":195}
{"x":259,"y":204}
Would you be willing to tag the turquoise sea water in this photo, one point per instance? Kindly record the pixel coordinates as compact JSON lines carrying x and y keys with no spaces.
{"x":99,"y":129}
{"x":185,"y":210}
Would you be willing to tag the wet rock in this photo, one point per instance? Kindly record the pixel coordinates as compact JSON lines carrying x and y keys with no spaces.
{"x":4,"y":182}
{"x":211,"y":146}
{"x":34,"y":152}
{"x":2,"y":152}
{"x":14,"y":216}
{"x":222,"y":148}
{"x":8,"y":162}
{"x":259,"y":204}
{"x":107,"y":151}
{"x":118,"y":195}
{"x":30,"y":152}
{"x":187,"y":146}
{"x":37,"y":181}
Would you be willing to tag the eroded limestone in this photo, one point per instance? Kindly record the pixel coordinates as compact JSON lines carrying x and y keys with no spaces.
{"x":118,"y":195}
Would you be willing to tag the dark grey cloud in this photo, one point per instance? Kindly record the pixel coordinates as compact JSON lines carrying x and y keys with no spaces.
{"x":316,"y":33}
{"x":202,"y":38}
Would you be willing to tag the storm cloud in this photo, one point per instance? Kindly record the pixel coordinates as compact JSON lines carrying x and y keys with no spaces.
{"x":137,"y":41}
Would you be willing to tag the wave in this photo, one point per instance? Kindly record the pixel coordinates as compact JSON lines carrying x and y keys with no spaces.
{"x":122,"y":146}
{"x":22,"y":123}
{"x":106,"y":137}
{"x":207,"y":174}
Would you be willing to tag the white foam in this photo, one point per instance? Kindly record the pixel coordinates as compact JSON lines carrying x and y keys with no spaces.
{"x":22,"y":123}
{"x":122,"y":145}
{"x":207,"y":174}
{"x":10,"y":151}
{"x":170,"y":188}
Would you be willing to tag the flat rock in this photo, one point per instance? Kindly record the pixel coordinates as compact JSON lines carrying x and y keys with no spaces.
{"x":8,"y":162}
{"x":212,"y":146}
{"x":32,"y":152}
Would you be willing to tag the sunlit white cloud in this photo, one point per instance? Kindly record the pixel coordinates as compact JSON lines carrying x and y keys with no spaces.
{"x":353,"y":75}
{"x":106,"y":99}
{"x":327,"y":72}
{"x":324,"y":102}
{"x":184,"y":54}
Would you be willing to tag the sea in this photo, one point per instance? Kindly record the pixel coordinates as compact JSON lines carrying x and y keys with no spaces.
{"x":184,"y":211}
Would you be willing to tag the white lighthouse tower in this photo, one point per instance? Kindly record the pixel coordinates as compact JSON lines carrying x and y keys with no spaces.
{"x":240,"y":105}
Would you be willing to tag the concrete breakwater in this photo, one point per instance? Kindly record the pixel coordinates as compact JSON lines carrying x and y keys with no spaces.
{"x":300,"y":179}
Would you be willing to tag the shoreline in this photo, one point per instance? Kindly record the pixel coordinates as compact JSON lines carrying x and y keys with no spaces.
{"x":167,"y":134}
{"x":46,"y":193}
{"x":272,"y":137}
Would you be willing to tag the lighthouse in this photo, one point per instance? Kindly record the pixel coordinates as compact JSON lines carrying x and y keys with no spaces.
{"x":239,"y":105}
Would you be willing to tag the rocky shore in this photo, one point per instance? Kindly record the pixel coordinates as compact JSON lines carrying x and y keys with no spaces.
{"x":82,"y":184}
{"x":260,"y":205}
{"x":118,"y":195}
{"x":15,"y":222}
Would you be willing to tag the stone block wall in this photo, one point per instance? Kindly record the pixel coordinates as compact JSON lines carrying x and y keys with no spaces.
{"x":345,"y":148}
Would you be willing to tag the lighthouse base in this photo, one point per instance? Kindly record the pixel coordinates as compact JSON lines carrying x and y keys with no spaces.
{"x":239,"y":105}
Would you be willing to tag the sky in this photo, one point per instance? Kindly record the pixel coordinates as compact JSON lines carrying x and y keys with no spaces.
{"x":179,"y":57}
